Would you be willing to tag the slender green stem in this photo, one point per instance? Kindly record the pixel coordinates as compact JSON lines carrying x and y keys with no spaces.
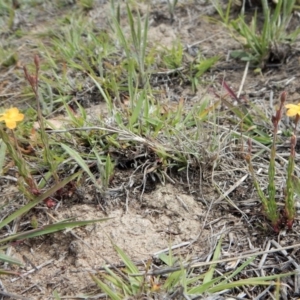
{"x":289,"y":198}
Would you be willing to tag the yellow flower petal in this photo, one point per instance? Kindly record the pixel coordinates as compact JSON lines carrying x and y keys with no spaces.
{"x":19,"y":117}
{"x":10,"y":124}
{"x":291,"y":113}
{"x":293,"y":110}
{"x":291,"y":105}
{"x":11,"y":117}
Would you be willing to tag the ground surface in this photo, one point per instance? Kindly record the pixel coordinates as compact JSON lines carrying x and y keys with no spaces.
{"x":189,"y":214}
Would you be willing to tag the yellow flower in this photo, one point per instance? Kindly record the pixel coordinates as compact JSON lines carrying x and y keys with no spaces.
{"x":11,"y":117}
{"x":293,"y":110}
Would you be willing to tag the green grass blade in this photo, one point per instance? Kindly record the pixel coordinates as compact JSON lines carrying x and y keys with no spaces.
{"x":6,"y":272}
{"x":56,"y":295}
{"x":77,"y":157}
{"x":296,"y":185}
{"x":9,"y":259}
{"x":200,"y":289}
{"x":145,"y":36}
{"x":109,"y":169}
{"x":50,"y":229}
{"x":205,"y":64}
{"x":129,"y":264}
{"x":3,"y":148}
{"x":209,"y":274}
{"x":267,"y":280}
{"x":105,"y":288}
{"x":117,"y":281}
{"x":137,"y":109}
{"x":114,"y":279}
{"x":120,"y":35}
{"x":39,"y":199}
{"x":173,"y":279}
{"x":238,"y":270}
{"x":132,"y":28}
{"x":106,"y":98}
{"x":167,"y":259}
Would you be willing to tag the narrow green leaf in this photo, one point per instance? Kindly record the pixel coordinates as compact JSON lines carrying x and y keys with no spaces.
{"x":209,"y":274}
{"x":105,"y":288}
{"x":109,"y":168}
{"x":102,"y":92}
{"x":2,"y":155}
{"x":129,"y":264}
{"x":238,"y":270}
{"x":200,"y":289}
{"x":296,"y":184}
{"x":6,"y":272}
{"x":56,"y":295}
{"x":39,"y":199}
{"x":268,"y":280}
{"x":9,"y":259}
{"x":113,"y":278}
{"x":166,"y":259}
{"x":205,"y":64}
{"x":138,"y":108}
{"x":49,"y":229}
{"x":76,"y":156}
{"x":144,"y":42}
{"x":117,"y":281}
{"x":174,"y":278}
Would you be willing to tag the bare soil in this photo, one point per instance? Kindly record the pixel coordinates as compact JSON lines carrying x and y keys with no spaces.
{"x":187,"y":215}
